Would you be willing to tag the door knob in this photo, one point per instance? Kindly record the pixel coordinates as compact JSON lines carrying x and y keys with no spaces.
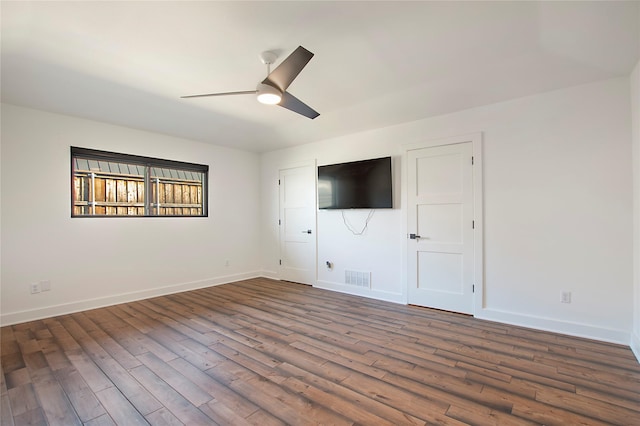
{"x":414,"y":237}
{"x":308,"y":231}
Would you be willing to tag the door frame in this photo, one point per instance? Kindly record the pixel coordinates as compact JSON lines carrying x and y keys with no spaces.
{"x":304,"y":163}
{"x":478,"y":196}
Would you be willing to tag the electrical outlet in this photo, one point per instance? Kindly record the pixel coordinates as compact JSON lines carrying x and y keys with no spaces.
{"x":566,"y":297}
{"x":45,"y":285}
{"x":35,"y":288}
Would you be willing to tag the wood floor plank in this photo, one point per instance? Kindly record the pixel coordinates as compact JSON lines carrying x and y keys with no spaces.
{"x":62,"y":336}
{"x":403,"y":351}
{"x":522,"y":371}
{"x":264,"y":352}
{"x":211,"y":357}
{"x":22,"y":399}
{"x":190,"y":350}
{"x":140,"y":343}
{"x":90,"y":372}
{"x":13,"y":361}
{"x":32,"y":417}
{"x":56,"y":358}
{"x":417,"y":404}
{"x":15,"y":378}
{"x":608,"y":398}
{"x":119,"y":408}
{"x":340,"y":360}
{"x":588,"y":406}
{"x":6,"y":413}
{"x":278,"y":401}
{"x":104,"y":420}
{"x":80,"y":395}
{"x":222,"y":414}
{"x":179,"y":406}
{"x":163,"y":417}
{"x":347,"y":409}
{"x":154,"y":321}
{"x":108,"y":345}
{"x":379,"y":409}
{"x":613,"y":377}
{"x":252,"y":360}
{"x":539,"y":412}
{"x":54,"y":402}
{"x":262,"y":418}
{"x":137,"y":394}
{"x":224,"y":398}
{"x":175,"y":380}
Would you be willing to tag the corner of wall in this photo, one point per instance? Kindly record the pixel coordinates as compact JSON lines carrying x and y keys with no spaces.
{"x":635,"y":141}
{"x":270,"y":274}
{"x":635,"y":345}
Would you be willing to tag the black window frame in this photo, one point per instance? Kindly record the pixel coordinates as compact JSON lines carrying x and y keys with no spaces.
{"x":149,"y":163}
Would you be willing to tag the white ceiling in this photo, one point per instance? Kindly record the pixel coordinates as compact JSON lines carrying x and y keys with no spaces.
{"x":376,"y":63}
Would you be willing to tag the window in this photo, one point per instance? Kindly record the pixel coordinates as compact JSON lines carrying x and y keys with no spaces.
{"x":110,"y":184}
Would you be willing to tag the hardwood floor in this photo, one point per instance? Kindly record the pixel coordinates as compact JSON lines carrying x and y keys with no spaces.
{"x":264,"y":352}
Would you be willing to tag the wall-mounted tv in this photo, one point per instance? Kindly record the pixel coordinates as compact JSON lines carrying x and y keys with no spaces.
{"x":365,"y":184}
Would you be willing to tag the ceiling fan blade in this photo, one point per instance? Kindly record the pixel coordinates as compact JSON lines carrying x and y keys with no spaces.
{"x":289,"y":69}
{"x":245,"y":92}
{"x":294,"y":104}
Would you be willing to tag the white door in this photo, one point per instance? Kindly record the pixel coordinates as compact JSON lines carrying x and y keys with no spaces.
{"x":298,"y":224}
{"x":440,"y":223}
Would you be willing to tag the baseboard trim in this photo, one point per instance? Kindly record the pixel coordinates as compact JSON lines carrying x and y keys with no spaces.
{"x":357,"y":291}
{"x":635,"y":345}
{"x":555,"y":326}
{"x":83,"y":305}
{"x":270,"y":274}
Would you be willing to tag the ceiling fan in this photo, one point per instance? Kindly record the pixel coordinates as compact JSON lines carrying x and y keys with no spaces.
{"x":273,"y":89}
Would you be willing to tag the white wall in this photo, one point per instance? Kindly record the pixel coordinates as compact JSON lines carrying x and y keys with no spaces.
{"x":96,"y":261}
{"x":635,"y":117}
{"x":557,"y":208}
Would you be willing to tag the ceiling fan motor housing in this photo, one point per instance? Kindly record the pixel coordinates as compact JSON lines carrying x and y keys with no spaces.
{"x":268,"y":94}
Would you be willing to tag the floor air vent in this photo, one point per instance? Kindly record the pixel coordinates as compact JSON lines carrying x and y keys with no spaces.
{"x":357,"y":278}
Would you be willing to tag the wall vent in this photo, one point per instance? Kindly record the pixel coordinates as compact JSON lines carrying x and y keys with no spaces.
{"x":357,"y":278}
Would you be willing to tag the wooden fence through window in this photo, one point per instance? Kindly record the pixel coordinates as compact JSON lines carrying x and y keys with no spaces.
{"x":113,"y":194}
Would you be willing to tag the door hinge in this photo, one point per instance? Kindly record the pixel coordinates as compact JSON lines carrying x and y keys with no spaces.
{"x":279,"y":222}
{"x":473,"y":288}
{"x":472,"y":160}
{"x":280,"y":261}
{"x":278,"y":181}
{"x":473,"y":224}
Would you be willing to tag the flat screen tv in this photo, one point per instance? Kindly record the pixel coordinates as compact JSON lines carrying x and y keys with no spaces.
{"x":365,"y":184}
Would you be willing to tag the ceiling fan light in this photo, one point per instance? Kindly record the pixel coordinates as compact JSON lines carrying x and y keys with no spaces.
{"x":268,"y":94}
{"x":269,"y":98}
